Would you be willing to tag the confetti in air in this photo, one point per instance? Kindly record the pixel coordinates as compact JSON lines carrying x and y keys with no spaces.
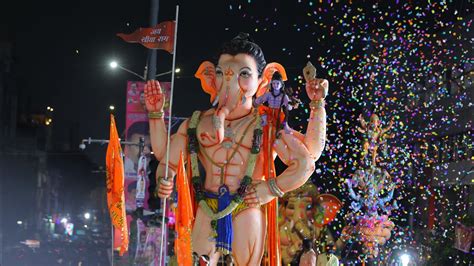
{"x":412,"y":62}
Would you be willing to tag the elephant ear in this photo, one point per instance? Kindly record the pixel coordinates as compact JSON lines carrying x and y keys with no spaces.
{"x":267,"y":76}
{"x":327,"y":207}
{"x":207,"y":74}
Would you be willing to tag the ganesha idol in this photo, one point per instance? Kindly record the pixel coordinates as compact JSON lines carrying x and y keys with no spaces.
{"x":305,"y":214}
{"x":234,"y":200}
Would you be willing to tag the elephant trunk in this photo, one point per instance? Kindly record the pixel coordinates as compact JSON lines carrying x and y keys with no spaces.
{"x":220,"y":116}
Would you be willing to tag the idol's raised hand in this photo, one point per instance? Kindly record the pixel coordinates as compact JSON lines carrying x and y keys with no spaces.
{"x":317,"y":89}
{"x":154,"y":97}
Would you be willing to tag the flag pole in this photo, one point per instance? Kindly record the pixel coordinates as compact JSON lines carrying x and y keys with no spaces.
{"x":112,"y":253}
{"x":169,"y":133}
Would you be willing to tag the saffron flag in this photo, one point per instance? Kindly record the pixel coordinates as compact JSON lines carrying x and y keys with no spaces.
{"x":184,"y":217}
{"x":115,"y":185}
{"x":160,"y":36}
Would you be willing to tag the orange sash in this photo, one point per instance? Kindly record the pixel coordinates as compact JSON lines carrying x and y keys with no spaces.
{"x":273,"y":237}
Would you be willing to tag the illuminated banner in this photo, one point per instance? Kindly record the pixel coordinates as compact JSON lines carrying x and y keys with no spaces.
{"x":463,"y":237}
{"x":159,"y":37}
{"x":136,"y":127}
{"x":136,"y":124}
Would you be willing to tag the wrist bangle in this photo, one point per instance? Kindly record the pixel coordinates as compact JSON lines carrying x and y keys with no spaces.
{"x":155,"y":115}
{"x":316,"y":104}
{"x":276,"y":191}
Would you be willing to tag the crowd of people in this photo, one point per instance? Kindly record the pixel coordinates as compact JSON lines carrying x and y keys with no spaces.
{"x":92,"y":248}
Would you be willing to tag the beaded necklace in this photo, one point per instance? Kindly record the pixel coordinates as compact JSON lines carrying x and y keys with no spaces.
{"x":229,"y":134}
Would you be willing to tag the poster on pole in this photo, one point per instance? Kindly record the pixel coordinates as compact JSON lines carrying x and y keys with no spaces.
{"x":463,"y":237}
{"x":136,"y":180}
{"x":136,"y":124}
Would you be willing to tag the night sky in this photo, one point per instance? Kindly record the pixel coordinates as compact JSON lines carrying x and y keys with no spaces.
{"x":63,"y":51}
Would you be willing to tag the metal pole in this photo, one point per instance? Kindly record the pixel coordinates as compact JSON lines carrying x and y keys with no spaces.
{"x":112,"y":253}
{"x":151,"y":62}
{"x":131,"y":72}
{"x":169,"y":132}
{"x":164,"y":73}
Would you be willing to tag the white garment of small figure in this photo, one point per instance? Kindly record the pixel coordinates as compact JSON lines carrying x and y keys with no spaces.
{"x":308,"y":258}
{"x":327,"y":260}
{"x":333,"y":260}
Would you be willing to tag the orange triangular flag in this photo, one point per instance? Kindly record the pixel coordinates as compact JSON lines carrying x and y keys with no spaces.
{"x":115,"y":185}
{"x":160,"y":36}
{"x":184,"y":217}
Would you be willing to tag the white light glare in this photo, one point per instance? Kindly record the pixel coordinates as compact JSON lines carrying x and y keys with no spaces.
{"x":405,"y":258}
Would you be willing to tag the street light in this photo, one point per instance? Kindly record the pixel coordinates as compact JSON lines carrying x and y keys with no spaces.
{"x":111,"y":108}
{"x":87,"y":215}
{"x":115,"y":64}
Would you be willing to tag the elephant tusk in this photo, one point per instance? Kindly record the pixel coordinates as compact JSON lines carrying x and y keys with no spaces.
{"x":216,"y":101}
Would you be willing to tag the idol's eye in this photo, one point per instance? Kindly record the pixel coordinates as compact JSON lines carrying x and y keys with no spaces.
{"x":309,"y":207}
{"x":219,"y":72}
{"x":245,"y":73}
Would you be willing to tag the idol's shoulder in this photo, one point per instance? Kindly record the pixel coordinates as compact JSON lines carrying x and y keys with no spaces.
{"x":202,"y":116}
{"x":207,"y":113}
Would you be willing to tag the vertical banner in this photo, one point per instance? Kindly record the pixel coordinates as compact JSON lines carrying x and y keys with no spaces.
{"x":136,"y":127}
{"x":136,"y":187}
{"x":149,"y":251}
{"x":463,"y":237}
